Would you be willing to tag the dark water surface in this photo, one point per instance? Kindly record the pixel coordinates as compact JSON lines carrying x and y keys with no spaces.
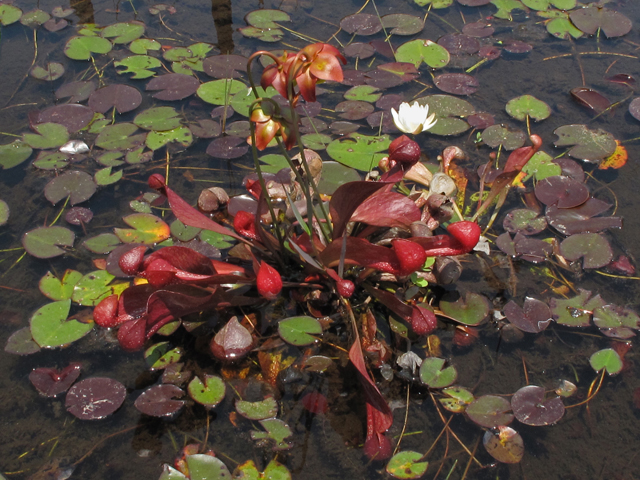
{"x":599,"y":442}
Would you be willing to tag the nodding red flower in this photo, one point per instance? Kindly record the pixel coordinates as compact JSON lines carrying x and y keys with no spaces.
{"x":411,"y":256}
{"x":423,"y":320}
{"x":345,"y":288}
{"x":466,"y":233}
{"x":404,"y":150}
{"x":269,"y":281}
{"x":245,"y":224}
{"x":105,"y":313}
{"x":267,"y":128}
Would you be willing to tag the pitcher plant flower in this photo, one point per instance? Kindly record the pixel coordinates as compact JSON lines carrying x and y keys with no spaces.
{"x":413,"y":118}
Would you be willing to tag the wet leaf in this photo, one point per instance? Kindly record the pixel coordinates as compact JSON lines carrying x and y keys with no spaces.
{"x":505,"y":7}
{"x":274,"y":471}
{"x":582,"y":219}
{"x":335,"y":174}
{"x":261,"y":410}
{"x":76,"y":91}
{"x":419,"y":51}
{"x":589,"y":145}
{"x":530,"y":407}
{"x":433,"y":375}
{"x":490,"y":411}
{"x":524,"y":221}
{"x":402,"y":24}
{"x":561,"y":27}
{"x":158,"y":119}
{"x":299,"y":330}
{"x":45,"y":242}
{"x":456,"y":399}
{"x":142,"y":46}
{"x":78,"y":186}
{"x":593,"y":18}
{"x":505,"y":444}
{"x":364,"y":93}
{"x":9,"y":14}
{"x":617,"y":159}
{"x":266,"y":18}
{"x":470,"y":310}
{"x":591,"y":99}
{"x":227,"y":147}
{"x":509,"y":138}
{"x":139,"y":65}
{"x":34,"y":18}
{"x":575,"y":311}
{"x":615,"y":321}
{"x":95,"y":398}
{"x":208,"y":393}
{"x":219,"y":92}
{"x":104,"y":176}
{"x":528,"y":106}
{"x":50,"y":327}
{"x":361,"y":24}
{"x":55,"y":289}
{"x":173,"y":86}
{"x":13,"y":154}
{"x":407,"y":464}
{"x":359,"y":50}
{"x":608,"y":359}
{"x":459,"y":43}
{"x":51,"y":382}
{"x":103,"y":243}
{"x":4,"y":212}
{"x":125,"y":32}
{"x":92,"y":288}
{"x":123,"y":98}
{"x":449,"y":111}
{"x":264,"y":34}
{"x":50,"y":72}
{"x":561,"y":191}
{"x":593,"y":248}
{"x":21,"y":343}
{"x":147,"y":229}
{"x":120,"y":137}
{"x":276,"y":430}
{"x":160,"y":401}
{"x":73,"y":117}
{"x":232,"y":342}
{"x":83,"y":47}
{"x":359,"y":151}
{"x":49,"y":135}
{"x":634,"y":108}
{"x":54,"y":25}
{"x":541,"y":166}
{"x":533,"y":317}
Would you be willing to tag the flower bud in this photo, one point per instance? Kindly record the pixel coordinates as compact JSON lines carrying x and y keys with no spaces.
{"x":269,"y":282}
{"x":404,"y":150}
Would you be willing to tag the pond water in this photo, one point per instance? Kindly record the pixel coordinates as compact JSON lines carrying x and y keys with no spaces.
{"x":41,"y":440}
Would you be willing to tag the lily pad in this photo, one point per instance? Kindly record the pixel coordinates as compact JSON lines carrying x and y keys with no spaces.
{"x":471,"y":310}
{"x":225,"y":66}
{"x":120,"y":137}
{"x":274,"y":470}
{"x":634,"y":108}
{"x":456,"y":83}
{"x":219,"y":92}
{"x":125,"y":32}
{"x":103,"y":243}
{"x":582,"y":219}
{"x":402,"y":24}
{"x":504,"y":444}
{"x":335,"y":174}
{"x":123,"y":98}
{"x":158,"y":119}
{"x":228,"y":147}
{"x":105,"y":176}
{"x":50,"y":327}
{"x":608,"y":359}
{"x":530,"y":407}
{"x":92,"y":288}
{"x":433,"y":375}
{"x":490,"y":411}
{"x":21,"y":343}
{"x":589,"y":145}
{"x":361,"y":24}
{"x":147,"y":229}
{"x":34,"y":18}
{"x":562,"y":27}
{"x":450,"y":112}
{"x":140,"y":65}
{"x":173,"y":86}
{"x":407,"y":464}
{"x":509,"y":138}
{"x":593,"y":248}
{"x":83,"y":47}
{"x":264,"y":34}
{"x":13,"y":154}
{"x":533,"y":317}
{"x":359,"y":151}
{"x":261,"y":410}
{"x":9,"y":14}
{"x":4,"y":212}
{"x":78,"y":216}
{"x":364,"y":93}
{"x":561,"y":191}
{"x":56,"y":289}
{"x":575,"y":311}
{"x":528,"y":106}
{"x":77,"y":185}
{"x":142,"y":46}
{"x":51,"y":382}
{"x":593,"y":18}
{"x":525,"y":221}
{"x":181,"y":135}
{"x":541,"y":166}
{"x":615,"y":321}
{"x":419,"y":51}
{"x":266,"y":18}
{"x":209,"y":392}
{"x":160,"y":401}
{"x":456,"y":399}
{"x":299,"y":330}
{"x":45,"y":242}
{"x":276,"y":430}
{"x":50,"y":72}
{"x":49,"y":135}
{"x":95,"y":398}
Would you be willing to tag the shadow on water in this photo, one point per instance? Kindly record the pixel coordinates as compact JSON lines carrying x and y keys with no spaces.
{"x":40,"y":440}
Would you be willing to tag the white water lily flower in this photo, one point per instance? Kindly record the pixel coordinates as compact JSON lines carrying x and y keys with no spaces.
{"x":413,"y":118}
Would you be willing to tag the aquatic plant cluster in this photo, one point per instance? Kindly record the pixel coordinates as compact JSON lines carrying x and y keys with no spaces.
{"x":349,"y":251}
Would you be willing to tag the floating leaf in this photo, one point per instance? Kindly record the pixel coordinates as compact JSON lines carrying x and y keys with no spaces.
{"x":51,"y":382}
{"x":147,"y":229}
{"x":45,"y":242}
{"x":419,"y":51}
{"x":530,"y":407}
{"x":435,"y":3}
{"x":359,"y":151}
{"x":227,"y":147}
{"x":55,"y":289}
{"x":49,"y":135}
{"x":9,"y":14}
{"x":83,"y":47}
{"x":575,"y":311}
{"x":206,"y":467}
{"x":471,"y":310}
{"x":433,"y":375}
{"x":76,"y":91}
{"x":265,"y":18}
{"x":120,"y":137}
{"x":50,"y":327}
{"x":634,"y":108}
{"x":103,"y":243}
{"x":274,"y":471}
{"x":591,"y":99}
{"x":158,"y":119}
{"x":509,"y":138}
{"x":4,"y":212}
{"x":208,"y":393}
{"x":78,"y":186}
{"x":299,"y":330}
{"x":561,"y":191}
{"x":593,"y":18}
{"x":449,"y":111}
{"x":541,"y":166}
{"x":50,"y":72}
{"x":456,"y":399}
{"x":608,"y":359}
{"x":402,"y":24}
{"x":225,"y":66}
{"x":261,"y":410}
{"x":354,"y":110}
{"x":276,"y":430}
{"x":533,"y":317}
{"x":21,"y":343}
{"x":123,"y":98}
{"x":125,"y":32}
{"x":504,"y":444}
{"x":505,"y":7}
{"x":34,"y":18}
{"x":173,"y":86}
{"x":490,"y":411}
{"x":141,"y":46}
{"x":407,"y":464}
{"x":361,"y":24}
{"x":105,"y":177}
{"x":615,"y":321}
{"x":582,"y":219}
{"x":263,"y":34}
{"x":160,"y":401}
{"x":92,"y":288}
{"x":593,"y":248}
{"x":364,"y":93}
{"x":528,"y":106}
{"x":78,"y":216}
{"x":181,"y":135}
{"x":95,"y":398}
{"x":219,"y":92}
{"x":561,"y":27}
{"x":589,"y":145}
{"x":15,"y":153}
{"x":456,"y":83}
{"x":139,"y":65}
{"x":524,"y":221}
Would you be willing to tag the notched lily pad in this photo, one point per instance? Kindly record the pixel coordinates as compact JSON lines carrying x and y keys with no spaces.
{"x":524,"y":221}
{"x":608,"y":359}
{"x":276,"y":430}
{"x":402,"y":24}
{"x":509,"y":138}
{"x":123,"y":98}
{"x":589,"y":145}
{"x":575,"y":311}
{"x":173,"y":86}
{"x":533,"y":317}
{"x":50,"y":72}
{"x":261,"y":410}
{"x":359,"y":151}
{"x":419,"y":51}
{"x":528,"y":106}
{"x":561,"y":191}
{"x":83,"y":47}
{"x":299,"y":330}
{"x":407,"y":464}
{"x":46,"y":242}
{"x":490,"y":411}
{"x":582,"y":219}
{"x":77,"y":185}
{"x":433,"y":375}
{"x":361,"y":24}
{"x":470,"y":310}
{"x":456,"y":83}
{"x":593,"y":248}
{"x":13,"y":154}
{"x":147,"y":229}
{"x":160,"y":401}
{"x":209,"y":392}
{"x":593,"y":18}
{"x":95,"y":398}
{"x":51,"y":382}
{"x":615,"y":321}
{"x":530,"y":407}
{"x":450,"y":112}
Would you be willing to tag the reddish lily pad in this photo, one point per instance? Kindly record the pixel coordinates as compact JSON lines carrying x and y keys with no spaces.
{"x":225,"y":66}
{"x":160,"y":401}
{"x":593,"y":18}
{"x":533,"y":317}
{"x":530,"y":407}
{"x":593,"y":248}
{"x":45,"y":242}
{"x":504,"y":444}
{"x":227,"y":147}
{"x":456,"y":83}
{"x":73,"y":117}
{"x":634,"y":108}
{"x":173,"y":86}
{"x":361,"y":24}
{"x":78,"y":186}
{"x":9,"y":14}
{"x":591,"y":99}
{"x":76,"y":91}
{"x":359,"y":50}
{"x":402,"y":24}
{"x":123,"y":98}
{"x":459,"y":43}
{"x":490,"y":411}
{"x":582,"y":219}
{"x":95,"y":398}
{"x":561,"y":192}
{"x":470,"y":310}
{"x":51,"y":382}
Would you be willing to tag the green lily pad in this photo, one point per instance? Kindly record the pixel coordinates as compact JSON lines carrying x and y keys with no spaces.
{"x":206,"y":467}
{"x":50,"y":327}
{"x":55,"y":289}
{"x":141,"y":46}
{"x":161,"y":355}
{"x":436,"y":4}
{"x":147,"y":229}
{"x":83,"y":47}
{"x":125,"y":32}
{"x":45,"y":242}
{"x":48,"y":160}
{"x":299,"y":330}
{"x":103,"y":243}
{"x":528,"y":106}
{"x":50,"y":72}
{"x":363,"y":93}
{"x":49,"y":135}
{"x":593,"y":248}
{"x":270,"y":35}
{"x":608,"y":359}
{"x":456,"y":399}
{"x":450,"y":112}
{"x":402,"y":24}
{"x":217,"y":239}
{"x":335,"y":174}
{"x":139,"y":65}
{"x":561,"y":27}
{"x":9,"y":14}
{"x":433,"y":375}
{"x":266,"y":408}
{"x":407,"y":464}
{"x":418,"y":51}
{"x":181,"y":135}
{"x":4,"y":212}
{"x":273,"y":163}
{"x":242,"y":100}
{"x":276,"y":430}
{"x":14,"y":153}
{"x":266,"y":18}
{"x":316,"y":141}
{"x":105,"y":177}
{"x":158,"y":119}
{"x":92,"y":288}
{"x":274,"y":471}
{"x":120,"y":137}
{"x":615,"y":321}
{"x":589,"y":145}
{"x":471,"y":310}
{"x":509,"y":138}
{"x":183,"y":232}
{"x":359,"y":151}
{"x":34,"y":18}
{"x":490,"y":411}
{"x":575,"y":311}
{"x":542,"y":5}
{"x":208,"y":393}
{"x":505,"y":7}
{"x":541,"y":166}
{"x":219,"y":92}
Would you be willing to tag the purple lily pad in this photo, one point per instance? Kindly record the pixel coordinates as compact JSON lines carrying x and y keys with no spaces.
{"x":622,"y":79}
{"x":384,"y":79}
{"x":121,"y":97}
{"x":78,"y":216}
{"x":312,"y":125}
{"x":354,"y":109}
{"x":359,"y":50}
{"x":533,"y":317}
{"x":561,"y":191}
{"x":353,"y":78}
{"x":474,"y":3}
{"x":95,"y":398}
{"x":490,"y":411}
{"x":459,"y":43}
{"x":343,"y":128}
{"x":387,"y":102}
{"x":505,"y":243}
{"x":590,"y":98}
{"x":53,"y":25}
{"x":173,"y":86}
{"x":225,"y":66}
{"x":516,"y":46}
{"x":76,"y":91}
{"x":159,"y":401}
{"x":593,"y":248}
{"x":228,"y":147}
{"x":456,"y":83}
{"x":383,"y":48}
{"x":206,"y":128}
{"x":79,"y":186}
{"x":530,"y":407}
{"x":73,"y":116}
{"x":509,"y":138}
{"x":489,"y":52}
{"x":634,"y":108}
{"x":524,"y":221}
{"x":571,"y":168}
{"x":481,"y":121}
{"x":51,"y":382}
{"x":593,"y":18}
{"x":388,"y":126}
{"x":308,"y":109}
{"x":532,"y":249}
{"x":570,"y":221}
{"x":480,"y":29}
{"x":361,"y":24}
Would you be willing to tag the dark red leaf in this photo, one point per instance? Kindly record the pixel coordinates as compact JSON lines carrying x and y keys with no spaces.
{"x":51,"y":382}
{"x":232,"y":342}
{"x":423,"y":320}
{"x":315,"y":402}
{"x":346,"y":199}
{"x":387,"y":209}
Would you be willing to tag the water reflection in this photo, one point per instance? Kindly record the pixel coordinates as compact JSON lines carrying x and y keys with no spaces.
{"x":221,"y":13}
{"x":84,"y":10}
